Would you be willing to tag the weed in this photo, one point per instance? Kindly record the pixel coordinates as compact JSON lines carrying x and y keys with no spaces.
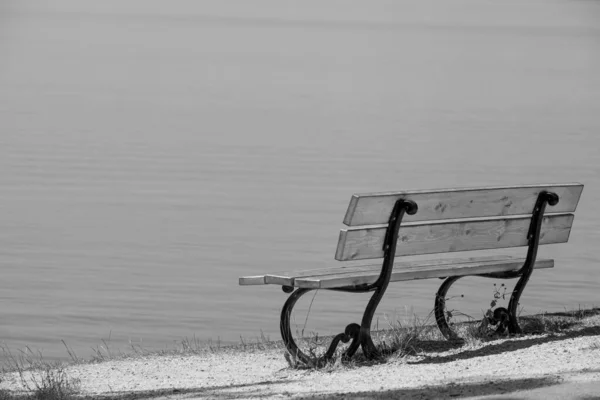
{"x":493,"y":323}
{"x":190,"y":346}
{"x":104,"y":352}
{"x":41,"y":380}
{"x":544,"y":323}
{"x":400,"y":339}
{"x":71,"y":352}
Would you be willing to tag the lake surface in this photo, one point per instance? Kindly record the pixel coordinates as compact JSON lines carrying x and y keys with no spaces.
{"x":151,"y":152}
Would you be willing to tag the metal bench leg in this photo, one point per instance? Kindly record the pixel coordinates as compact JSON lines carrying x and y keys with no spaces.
{"x":533,"y":237}
{"x":401,"y":207}
{"x":360,"y":334}
{"x":513,"y":322}
{"x":351,"y":332}
{"x":368,"y":347}
{"x":440,"y":309}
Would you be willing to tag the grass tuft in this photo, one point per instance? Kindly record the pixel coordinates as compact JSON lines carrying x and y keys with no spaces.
{"x":314,"y":346}
{"x":39,"y":379}
{"x":400,"y":339}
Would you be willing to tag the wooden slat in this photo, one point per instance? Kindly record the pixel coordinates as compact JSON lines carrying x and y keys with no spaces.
{"x":452,"y":235}
{"x":252,"y":280}
{"x":287,"y":278}
{"x":401,"y":274}
{"x":375,"y":208}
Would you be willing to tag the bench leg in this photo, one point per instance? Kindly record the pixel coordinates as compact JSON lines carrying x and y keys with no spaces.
{"x":502,"y":317}
{"x":533,"y":237}
{"x":360,"y":334}
{"x":507,"y":317}
{"x":440,"y":309}
{"x":513,"y":323}
{"x":368,"y":347}
{"x":352,"y":331}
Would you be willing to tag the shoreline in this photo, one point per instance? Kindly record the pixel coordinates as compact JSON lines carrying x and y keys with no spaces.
{"x":436,"y":369}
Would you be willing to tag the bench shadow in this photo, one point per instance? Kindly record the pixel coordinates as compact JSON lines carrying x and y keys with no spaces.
{"x":578,"y":314}
{"x":449,"y":391}
{"x":507,"y":346}
{"x":208,"y":392}
{"x":269,"y":389}
{"x":435,"y":346}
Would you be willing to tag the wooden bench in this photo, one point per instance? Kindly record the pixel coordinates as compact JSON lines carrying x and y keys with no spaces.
{"x":396,"y":224}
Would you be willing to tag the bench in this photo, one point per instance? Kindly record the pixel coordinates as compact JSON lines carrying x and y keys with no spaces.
{"x":391,"y":225}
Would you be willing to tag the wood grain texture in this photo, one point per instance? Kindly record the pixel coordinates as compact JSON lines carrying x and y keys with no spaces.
{"x":426,"y":272}
{"x":287,"y":278}
{"x":375,"y":208}
{"x":451,"y":235}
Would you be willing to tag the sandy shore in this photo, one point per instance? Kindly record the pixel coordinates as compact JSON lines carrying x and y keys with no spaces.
{"x":499,"y":367}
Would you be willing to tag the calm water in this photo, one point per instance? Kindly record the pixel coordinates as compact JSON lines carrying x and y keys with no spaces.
{"x":151,"y":152}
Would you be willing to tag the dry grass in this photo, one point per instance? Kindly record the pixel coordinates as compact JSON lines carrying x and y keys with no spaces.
{"x":39,"y":379}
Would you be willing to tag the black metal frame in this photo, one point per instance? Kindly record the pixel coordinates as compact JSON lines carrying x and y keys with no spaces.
{"x":359,"y":334}
{"x":504,"y":316}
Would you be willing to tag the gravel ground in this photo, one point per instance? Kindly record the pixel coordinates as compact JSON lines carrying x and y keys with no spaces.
{"x":496,"y":367}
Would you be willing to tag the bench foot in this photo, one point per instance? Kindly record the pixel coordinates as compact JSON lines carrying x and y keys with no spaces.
{"x":440,"y":309}
{"x":359,"y":334}
{"x":352,"y":332}
{"x":502,"y":318}
{"x":513,"y":321}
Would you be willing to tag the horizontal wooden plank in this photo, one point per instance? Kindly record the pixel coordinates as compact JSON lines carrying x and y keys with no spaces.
{"x":252,"y":280}
{"x":375,"y":208}
{"x":402,"y":274}
{"x":287,"y":278}
{"x":451,"y":235}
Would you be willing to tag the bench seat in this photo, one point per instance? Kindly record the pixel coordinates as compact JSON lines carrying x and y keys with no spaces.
{"x":349,"y":276}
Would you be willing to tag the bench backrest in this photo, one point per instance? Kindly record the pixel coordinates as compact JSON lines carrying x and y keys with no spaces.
{"x":451,"y":220}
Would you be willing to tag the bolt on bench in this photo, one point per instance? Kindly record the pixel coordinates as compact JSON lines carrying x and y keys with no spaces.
{"x":406,"y":223}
